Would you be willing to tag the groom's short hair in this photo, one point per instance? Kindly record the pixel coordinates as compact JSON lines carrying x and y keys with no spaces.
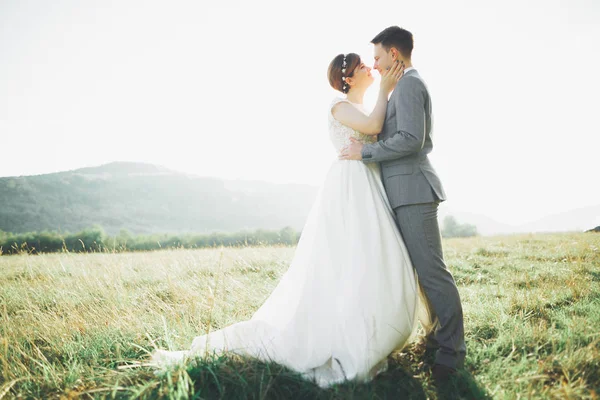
{"x":397,"y":37}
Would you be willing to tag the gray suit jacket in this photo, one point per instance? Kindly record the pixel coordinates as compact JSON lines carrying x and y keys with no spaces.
{"x":404,"y":142}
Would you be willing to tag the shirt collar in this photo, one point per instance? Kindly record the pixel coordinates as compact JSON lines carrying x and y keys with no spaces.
{"x":408,"y":69}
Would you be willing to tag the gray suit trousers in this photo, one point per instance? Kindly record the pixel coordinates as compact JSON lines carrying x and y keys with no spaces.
{"x":419,"y":227}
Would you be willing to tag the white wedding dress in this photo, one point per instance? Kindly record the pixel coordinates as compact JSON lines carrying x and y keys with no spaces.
{"x":350,"y":296}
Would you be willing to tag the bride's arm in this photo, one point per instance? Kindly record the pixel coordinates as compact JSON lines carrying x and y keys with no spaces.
{"x":410,"y":134}
{"x":350,"y":116}
{"x":373,"y":123}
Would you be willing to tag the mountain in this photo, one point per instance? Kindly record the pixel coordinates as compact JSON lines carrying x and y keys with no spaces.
{"x":580,"y":219}
{"x":146,"y":198}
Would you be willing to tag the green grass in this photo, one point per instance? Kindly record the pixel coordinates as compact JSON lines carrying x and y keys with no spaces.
{"x":67,"y":321}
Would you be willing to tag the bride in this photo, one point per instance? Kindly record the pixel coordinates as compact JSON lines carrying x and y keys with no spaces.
{"x":350,"y":296}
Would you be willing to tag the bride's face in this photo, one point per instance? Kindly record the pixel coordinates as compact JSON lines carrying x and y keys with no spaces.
{"x":362,"y":76}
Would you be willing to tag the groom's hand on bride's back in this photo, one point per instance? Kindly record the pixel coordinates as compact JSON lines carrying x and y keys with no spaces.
{"x":353,"y":151}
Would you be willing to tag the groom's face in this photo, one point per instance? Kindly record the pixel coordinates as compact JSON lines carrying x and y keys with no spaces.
{"x":383,"y":59}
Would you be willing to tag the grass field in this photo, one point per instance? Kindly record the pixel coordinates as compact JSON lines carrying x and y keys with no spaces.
{"x":67,"y":321}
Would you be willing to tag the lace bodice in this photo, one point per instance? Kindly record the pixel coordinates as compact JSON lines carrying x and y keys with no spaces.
{"x":340,"y":134}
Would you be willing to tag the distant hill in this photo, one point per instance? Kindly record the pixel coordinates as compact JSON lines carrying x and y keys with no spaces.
{"x":579,"y":220}
{"x":145,"y":198}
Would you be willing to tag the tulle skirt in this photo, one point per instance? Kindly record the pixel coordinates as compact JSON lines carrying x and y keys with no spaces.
{"x":349,"y":298}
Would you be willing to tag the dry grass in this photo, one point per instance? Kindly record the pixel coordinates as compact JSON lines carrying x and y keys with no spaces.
{"x":532,"y":309}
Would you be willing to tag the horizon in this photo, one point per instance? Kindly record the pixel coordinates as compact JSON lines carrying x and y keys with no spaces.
{"x":90,"y":84}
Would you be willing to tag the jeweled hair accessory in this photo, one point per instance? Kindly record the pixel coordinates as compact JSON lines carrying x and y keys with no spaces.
{"x":345,"y":87}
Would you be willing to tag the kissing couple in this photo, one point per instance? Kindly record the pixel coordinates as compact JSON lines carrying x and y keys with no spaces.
{"x":369,"y":264}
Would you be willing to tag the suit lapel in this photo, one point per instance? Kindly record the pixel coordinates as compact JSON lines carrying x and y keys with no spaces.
{"x":391,"y":109}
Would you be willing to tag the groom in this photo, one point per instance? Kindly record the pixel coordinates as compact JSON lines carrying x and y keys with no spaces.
{"x":415,"y":191}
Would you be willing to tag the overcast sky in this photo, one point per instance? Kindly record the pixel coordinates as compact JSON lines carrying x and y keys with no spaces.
{"x":239,"y":90}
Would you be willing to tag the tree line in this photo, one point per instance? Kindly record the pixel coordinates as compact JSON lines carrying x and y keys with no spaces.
{"x":94,"y":239}
{"x":452,"y":228}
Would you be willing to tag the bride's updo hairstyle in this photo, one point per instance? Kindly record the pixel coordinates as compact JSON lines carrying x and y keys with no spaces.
{"x":337,"y":71}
